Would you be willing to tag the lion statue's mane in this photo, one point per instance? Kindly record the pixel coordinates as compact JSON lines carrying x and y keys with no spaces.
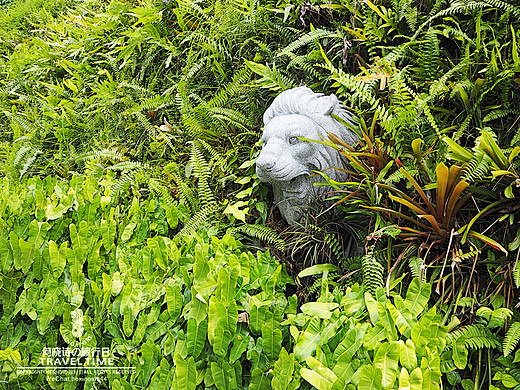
{"x":287,"y":162}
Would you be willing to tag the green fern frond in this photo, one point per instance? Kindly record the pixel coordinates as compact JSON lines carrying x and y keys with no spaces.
{"x":123,"y":182}
{"x":305,"y":39}
{"x":415,"y":264}
{"x":23,"y":151}
{"x":303,"y":62}
{"x":430,"y":55}
{"x":511,"y":338}
{"x":514,"y":9}
{"x":261,"y":232}
{"x":271,"y":78}
{"x":359,"y":90}
{"x":398,"y":175}
{"x":286,"y":32}
{"x":187,"y":194}
{"x":152,"y":131}
{"x":228,"y":116}
{"x":31,"y":157}
{"x":110,"y":154}
{"x":129,"y":165}
{"x":197,"y":220}
{"x":162,"y":191}
{"x":440,"y":86}
{"x":373,"y":271}
{"x":149,"y":59}
{"x":23,"y":122}
{"x":463,"y":127}
{"x":217,"y":157}
{"x":152,"y":103}
{"x":142,"y":91}
{"x":477,"y":168}
{"x":455,"y":33}
{"x":476,"y":337}
{"x":193,"y":69}
{"x":496,"y":114}
{"x":202,"y":172}
{"x":231,"y":89}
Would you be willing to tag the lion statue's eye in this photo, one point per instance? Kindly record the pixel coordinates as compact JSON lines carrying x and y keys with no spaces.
{"x":293,"y":140}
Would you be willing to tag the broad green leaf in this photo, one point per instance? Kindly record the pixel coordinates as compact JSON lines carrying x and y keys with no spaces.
{"x":316,"y":379}
{"x":149,"y":353}
{"x":322,"y":370}
{"x":225,"y":290}
{"x":57,"y":258}
{"x":186,"y":373}
{"x":6,"y":254}
{"x":320,"y":309}
{"x":318,"y":269}
{"x":431,"y":373}
{"x":460,"y":352}
{"x":221,"y":380}
{"x":174,"y":300}
{"x":404,"y":379}
{"x":386,"y":319}
{"x":416,"y":379}
{"x":128,"y":231}
{"x":332,"y":329}
{"x":402,"y":324}
{"x":108,"y":232}
{"x":234,"y":209}
{"x":272,"y":337}
{"x":308,"y":340}
{"x":240,"y":344}
{"x":199,"y":311}
{"x":256,"y":318}
{"x":140,"y":329}
{"x":196,"y":336}
{"x":283,"y":371}
{"x":54,"y":210}
{"x":407,"y":355}
{"x":128,"y":321}
{"x":370,"y":378}
{"x":509,"y":381}
{"x":386,"y":360}
{"x":37,"y":233}
{"x":374,"y":336}
{"x":438,"y":334}
{"x":221,"y":341}
{"x":117,"y":284}
{"x":160,"y":254}
{"x":417,"y":296}
{"x":350,"y":344}
{"x":421,"y":335}
{"x":346,"y":367}
{"x":371,"y":307}
{"x":26,"y":254}
{"x":47,"y":314}
{"x":259,"y":380}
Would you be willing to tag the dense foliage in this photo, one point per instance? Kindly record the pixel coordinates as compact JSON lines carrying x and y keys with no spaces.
{"x":132,"y":220}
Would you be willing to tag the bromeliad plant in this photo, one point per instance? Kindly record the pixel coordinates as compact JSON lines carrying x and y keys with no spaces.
{"x":439,"y":211}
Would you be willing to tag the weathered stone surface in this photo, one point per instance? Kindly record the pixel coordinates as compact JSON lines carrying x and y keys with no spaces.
{"x":287,"y":162}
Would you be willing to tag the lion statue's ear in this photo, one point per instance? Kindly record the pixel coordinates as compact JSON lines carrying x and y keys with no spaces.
{"x":326,"y":104}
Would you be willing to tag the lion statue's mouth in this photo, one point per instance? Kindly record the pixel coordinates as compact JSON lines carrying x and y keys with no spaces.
{"x":285,"y":176}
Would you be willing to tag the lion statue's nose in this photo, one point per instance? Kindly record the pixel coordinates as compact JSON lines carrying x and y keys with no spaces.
{"x":265,"y":164}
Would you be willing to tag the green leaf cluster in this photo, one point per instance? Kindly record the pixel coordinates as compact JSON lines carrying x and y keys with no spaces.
{"x":79,"y":267}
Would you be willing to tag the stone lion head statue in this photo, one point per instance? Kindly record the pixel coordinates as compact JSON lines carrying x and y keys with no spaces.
{"x":287,"y":162}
